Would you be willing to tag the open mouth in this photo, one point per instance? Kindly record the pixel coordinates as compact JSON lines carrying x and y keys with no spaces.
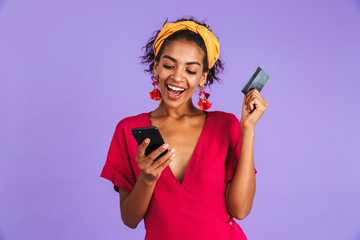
{"x":175,"y":92}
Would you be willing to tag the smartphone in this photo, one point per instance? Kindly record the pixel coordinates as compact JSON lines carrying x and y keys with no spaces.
{"x":155,"y":139}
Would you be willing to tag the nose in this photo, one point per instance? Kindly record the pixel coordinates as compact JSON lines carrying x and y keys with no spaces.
{"x":178,"y":74}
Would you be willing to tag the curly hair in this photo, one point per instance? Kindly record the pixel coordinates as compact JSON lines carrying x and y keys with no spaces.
{"x":149,"y":56}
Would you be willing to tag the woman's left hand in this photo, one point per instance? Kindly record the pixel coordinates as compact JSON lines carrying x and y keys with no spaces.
{"x":253,"y":107}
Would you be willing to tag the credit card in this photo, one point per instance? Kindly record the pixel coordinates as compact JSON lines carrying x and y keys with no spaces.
{"x":257,"y":80}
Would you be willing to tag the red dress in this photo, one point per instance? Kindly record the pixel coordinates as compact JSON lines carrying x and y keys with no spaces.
{"x":195,"y":208}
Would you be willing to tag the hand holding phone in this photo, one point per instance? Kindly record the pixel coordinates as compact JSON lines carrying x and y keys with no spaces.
{"x":156,"y":140}
{"x":152,"y":157}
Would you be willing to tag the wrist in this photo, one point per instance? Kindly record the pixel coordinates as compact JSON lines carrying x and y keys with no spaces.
{"x":246,"y":123}
{"x":146,"y":180}
{"x":247,"y":131}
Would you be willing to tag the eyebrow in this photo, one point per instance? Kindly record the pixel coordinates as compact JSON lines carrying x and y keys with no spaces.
{"x":174,"y":60}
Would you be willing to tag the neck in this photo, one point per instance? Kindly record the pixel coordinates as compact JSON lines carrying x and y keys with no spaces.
{"x":176,"y":112}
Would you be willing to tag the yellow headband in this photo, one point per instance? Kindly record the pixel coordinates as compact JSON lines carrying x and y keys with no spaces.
{"x":211,"y":42}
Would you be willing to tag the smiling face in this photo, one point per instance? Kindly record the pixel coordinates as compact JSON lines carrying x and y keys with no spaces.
{"x":180,"y":71}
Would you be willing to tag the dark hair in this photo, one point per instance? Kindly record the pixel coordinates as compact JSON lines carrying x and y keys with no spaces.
{"x":149,"y":56}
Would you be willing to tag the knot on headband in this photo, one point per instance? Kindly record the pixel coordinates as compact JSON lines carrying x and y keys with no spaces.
{"x":211,"y":42}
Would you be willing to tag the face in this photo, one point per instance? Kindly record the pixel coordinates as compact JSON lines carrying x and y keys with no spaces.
{"x":180,"y":71}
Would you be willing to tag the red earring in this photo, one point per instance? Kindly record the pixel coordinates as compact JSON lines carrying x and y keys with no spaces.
{"x":155,"y":93}
{"x":203,"y":103}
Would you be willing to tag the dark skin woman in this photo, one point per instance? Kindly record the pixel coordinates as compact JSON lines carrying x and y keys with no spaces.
{"x":181,"y":66}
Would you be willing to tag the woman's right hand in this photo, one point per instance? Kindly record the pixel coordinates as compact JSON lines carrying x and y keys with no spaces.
{"x":152,"y":169}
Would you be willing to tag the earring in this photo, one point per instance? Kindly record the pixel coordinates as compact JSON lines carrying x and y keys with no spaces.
{"x":203,"y":103}
{"x":155,"y":93}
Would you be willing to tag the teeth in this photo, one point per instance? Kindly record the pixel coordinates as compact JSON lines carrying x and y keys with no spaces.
{"x":175,"y":88}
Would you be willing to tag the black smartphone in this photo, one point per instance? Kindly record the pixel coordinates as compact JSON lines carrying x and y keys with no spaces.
{"x":155,"y":139}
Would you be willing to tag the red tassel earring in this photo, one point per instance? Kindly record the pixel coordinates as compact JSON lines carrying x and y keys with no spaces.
{"x":155,"y":93}
{"x":203,"y":103}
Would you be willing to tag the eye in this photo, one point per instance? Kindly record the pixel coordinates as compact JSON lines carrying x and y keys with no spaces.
{"x":168,"y":67}
{"x":190,"y":72}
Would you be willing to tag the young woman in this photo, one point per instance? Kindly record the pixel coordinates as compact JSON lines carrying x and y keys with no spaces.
{"x":207,"y":177}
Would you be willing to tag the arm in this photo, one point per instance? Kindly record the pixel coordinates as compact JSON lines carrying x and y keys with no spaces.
{"x":133,"y":205}
{"x":241,"y":190}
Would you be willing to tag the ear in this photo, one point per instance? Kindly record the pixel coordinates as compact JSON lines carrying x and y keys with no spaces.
{"x":203,"y":78}
{"x":156,"y":68}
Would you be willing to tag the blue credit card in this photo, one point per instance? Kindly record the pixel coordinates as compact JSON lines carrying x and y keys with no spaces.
{"x":257,"y":80}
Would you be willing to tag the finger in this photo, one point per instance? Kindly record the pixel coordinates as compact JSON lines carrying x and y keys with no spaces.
{"x":252,"y":92}
{"x":253,"y":102}
{"x":166,"y":163}
{"x":159,"y":162}
{"x":248,"y":102}
{"x":142,"y":147}
{"x":251,"y":97}
{"x":154,"y":154}
{"x":244,"y":103}
{"x":257,"y":104}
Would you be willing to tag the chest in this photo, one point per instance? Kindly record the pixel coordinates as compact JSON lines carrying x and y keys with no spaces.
{"x":183,"y":136}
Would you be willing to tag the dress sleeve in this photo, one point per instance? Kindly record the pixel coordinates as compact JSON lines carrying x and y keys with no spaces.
{"x":233,"y":155}
{"x":118,"y":168}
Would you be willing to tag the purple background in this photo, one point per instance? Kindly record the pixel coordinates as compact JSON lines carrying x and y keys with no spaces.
{"x":70,"y":71}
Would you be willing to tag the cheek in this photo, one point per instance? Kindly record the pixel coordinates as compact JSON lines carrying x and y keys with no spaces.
{"x":164,"y":72}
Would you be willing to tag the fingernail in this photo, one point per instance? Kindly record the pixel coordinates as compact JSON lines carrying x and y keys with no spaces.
{"x":166,"y":146}
{"x":172,"y":150}
{"x":147,"y":140}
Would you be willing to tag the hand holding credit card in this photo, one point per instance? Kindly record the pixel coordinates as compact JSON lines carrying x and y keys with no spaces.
{"x":257,"y":81}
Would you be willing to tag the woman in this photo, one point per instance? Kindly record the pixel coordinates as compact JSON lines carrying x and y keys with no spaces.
{"x":207,"y":177}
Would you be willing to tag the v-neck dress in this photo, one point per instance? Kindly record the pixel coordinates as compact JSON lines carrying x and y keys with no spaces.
{"x":195,"y":208}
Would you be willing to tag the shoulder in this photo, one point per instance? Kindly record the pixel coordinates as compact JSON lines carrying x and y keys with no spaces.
{"x":227,"y":124}
{"x":224,"y":123}
{"x":224,"y":126}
